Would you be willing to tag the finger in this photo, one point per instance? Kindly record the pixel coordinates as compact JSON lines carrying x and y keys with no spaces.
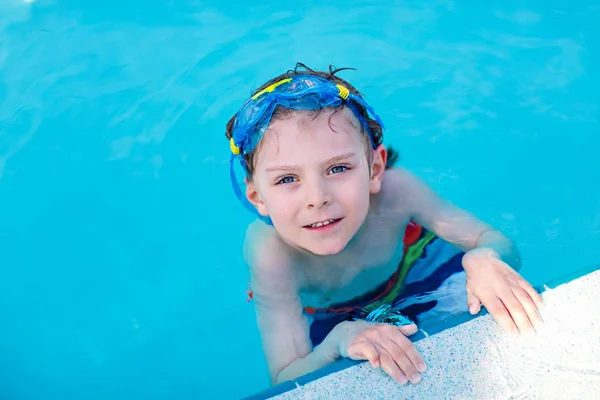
{"x":402,"y":361}
{"x":528,"y":305}
{"x":406,"y":356}
{"x":497,"y":310}
{"x":516,"y":311}
{"x":535,"y":296}
{"x":390,"y":366}
{"x":473,"y":302}
{"x":408,"y":330}
{"x":364,"y":350}
{"x":411,"y":352}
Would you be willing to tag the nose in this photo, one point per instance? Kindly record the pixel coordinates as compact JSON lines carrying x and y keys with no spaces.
{"x":317,"y":195}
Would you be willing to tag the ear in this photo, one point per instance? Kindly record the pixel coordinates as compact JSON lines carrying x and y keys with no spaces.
{"x":254,"y":198}
{"x":378,"y":168}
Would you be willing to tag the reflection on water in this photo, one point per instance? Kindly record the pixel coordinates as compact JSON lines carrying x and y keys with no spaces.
{"x":121,"y":259}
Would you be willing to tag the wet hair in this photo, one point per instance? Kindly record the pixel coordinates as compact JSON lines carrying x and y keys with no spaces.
{"x":281,"y":113}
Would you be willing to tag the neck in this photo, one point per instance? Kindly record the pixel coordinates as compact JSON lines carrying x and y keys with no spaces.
{"x":356,"y":246}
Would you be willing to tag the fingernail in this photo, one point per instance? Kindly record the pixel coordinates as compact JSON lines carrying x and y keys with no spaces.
{"x":415,"y":378}
{"x":403,"y":380}
{"x":422,"y":367}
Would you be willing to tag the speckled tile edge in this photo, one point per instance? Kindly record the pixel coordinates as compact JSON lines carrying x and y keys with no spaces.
{"x":443,"y":325}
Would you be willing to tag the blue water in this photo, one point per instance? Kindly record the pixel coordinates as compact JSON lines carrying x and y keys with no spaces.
{"x":121,"y":274}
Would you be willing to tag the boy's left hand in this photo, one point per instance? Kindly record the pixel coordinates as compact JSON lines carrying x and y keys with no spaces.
{"x":509,"y":298}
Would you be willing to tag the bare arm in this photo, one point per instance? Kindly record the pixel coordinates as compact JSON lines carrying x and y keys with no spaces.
{"x":283,"y":327}
{"x":489,"y":263}
{"x":449,"y":222}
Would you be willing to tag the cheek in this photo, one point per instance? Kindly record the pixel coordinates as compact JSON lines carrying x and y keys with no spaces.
{"x":355,"y":191}
{"x":280,"y":202}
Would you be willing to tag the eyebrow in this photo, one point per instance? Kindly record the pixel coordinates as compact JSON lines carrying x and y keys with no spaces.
{"x":330,"y":161}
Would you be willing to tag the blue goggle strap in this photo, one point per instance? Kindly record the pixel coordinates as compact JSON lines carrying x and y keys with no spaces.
{"x":363,"y":122}
{"x":238,"y":192}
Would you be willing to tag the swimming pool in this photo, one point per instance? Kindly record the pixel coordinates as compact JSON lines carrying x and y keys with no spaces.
{"x":120,"y":244}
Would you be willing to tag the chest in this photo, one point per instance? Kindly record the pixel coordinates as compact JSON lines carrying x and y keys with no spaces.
{"x":331,"y":284}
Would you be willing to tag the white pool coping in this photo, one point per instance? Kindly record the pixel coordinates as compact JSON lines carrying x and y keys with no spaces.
{"x":476,"y":360}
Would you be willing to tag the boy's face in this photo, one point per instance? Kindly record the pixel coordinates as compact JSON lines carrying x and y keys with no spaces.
{"x":314,"y":182}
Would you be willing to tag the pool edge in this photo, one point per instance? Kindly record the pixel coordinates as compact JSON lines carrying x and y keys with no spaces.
{"x":443,"y":325}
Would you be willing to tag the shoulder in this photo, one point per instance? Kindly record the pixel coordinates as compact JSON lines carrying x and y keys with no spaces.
{"x":398,"y":179}
{"x":402,"y":191}
{"x":270,"y":259}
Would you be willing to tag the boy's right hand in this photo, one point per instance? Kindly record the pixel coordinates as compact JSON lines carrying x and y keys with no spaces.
{"x":383,"y":345}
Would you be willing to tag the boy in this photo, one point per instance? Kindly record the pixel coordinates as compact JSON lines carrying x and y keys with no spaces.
{"x":348,"y":247}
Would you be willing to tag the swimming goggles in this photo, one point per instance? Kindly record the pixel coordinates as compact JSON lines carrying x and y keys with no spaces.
{"x":298,"y":92}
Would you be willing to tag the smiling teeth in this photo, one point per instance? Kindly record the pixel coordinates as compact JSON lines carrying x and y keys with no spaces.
{"x":320,"y":224}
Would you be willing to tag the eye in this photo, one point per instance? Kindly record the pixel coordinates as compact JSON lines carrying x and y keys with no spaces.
{"x":286,"y":179}
{"x":337,"y":169}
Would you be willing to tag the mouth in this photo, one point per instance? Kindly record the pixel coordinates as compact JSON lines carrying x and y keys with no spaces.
{"x":323,"y":224}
